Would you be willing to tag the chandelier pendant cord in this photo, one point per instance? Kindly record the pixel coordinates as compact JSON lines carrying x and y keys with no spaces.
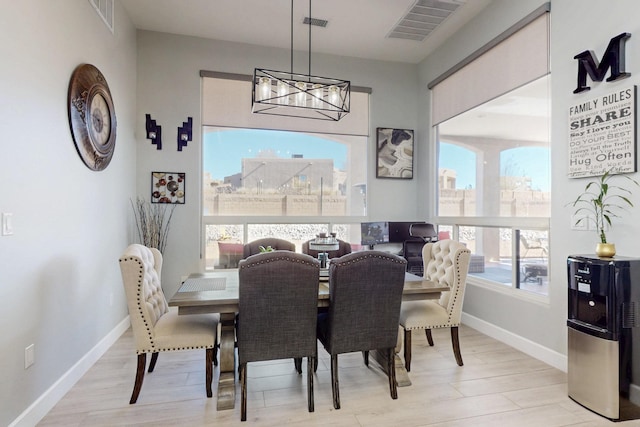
{"x":309,"y":40}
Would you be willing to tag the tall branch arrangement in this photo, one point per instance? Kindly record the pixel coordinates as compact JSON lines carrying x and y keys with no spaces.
{"x":152,"y":222}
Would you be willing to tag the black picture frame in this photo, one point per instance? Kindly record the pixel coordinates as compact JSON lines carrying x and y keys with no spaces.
{"x":394,"y":153}
{"x":168,"y":187}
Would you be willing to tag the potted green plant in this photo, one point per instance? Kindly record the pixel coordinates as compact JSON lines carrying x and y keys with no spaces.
{"x":599,"y":202}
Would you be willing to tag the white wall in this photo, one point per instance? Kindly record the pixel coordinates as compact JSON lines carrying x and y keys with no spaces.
{"x":59,"y":271}
{"x":169,"y":90}
{"x":576,"y":25}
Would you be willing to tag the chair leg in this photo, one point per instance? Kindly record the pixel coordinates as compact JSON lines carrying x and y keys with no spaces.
{"x":365,"y":356}
{"x":310,"y":364}
{"x":154,"y":359}
{"x":391,"y":367}
{"x":297,"y":361}
{"x":209,"y":370}
{"x":142,"y":364}
{"x":456,"y":345}
{"x":335,"y":388}
{"x":407,"y":349}
{"x":429,"y":337}
{"x":215,"y":353}
{"x":243,"y":386}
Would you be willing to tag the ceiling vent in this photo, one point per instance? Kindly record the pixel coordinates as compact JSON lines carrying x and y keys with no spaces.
{"x":423,"y":17}
{"x":105,"y":10}
{"x":315,"y":21}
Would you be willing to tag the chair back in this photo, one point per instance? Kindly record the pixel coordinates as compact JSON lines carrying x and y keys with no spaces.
{"x":278,"y":298}
{"x":253,"y":248}
{"x":141,"y":271}
{"x":365,"y":294}
{"x":447,"y":263}
{"x":425,"y":231}
{"x":343,"y":249}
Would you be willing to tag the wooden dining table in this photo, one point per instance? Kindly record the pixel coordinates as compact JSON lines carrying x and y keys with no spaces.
{"x":217,"y":292}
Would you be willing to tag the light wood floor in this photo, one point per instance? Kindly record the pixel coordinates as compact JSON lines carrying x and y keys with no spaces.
{"x":497,"y":386}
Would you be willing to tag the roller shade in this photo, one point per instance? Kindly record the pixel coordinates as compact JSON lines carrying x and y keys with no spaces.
{"x":506,"y":63}
{"x":226,"y":101}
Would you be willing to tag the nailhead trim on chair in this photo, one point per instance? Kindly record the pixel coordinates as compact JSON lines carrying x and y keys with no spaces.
{"x":455,"y":297}
{"x":283,"y":257}
{"x":139,"y":300}
{"x":392,"y":258}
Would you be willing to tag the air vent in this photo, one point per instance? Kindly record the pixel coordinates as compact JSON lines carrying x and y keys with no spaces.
{"x":423,"y":17}
{"x":315,"y":21}
{"x":105,"y":10}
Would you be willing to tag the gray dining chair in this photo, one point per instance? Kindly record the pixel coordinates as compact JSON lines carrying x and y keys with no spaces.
{"x":276,"y":244}
{"x":156,"y":327}
{"x":278,"y":297}
{"x":365,"y":292}
{"x":447,"y":263}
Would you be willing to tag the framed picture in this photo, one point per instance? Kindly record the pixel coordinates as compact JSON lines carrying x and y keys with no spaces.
{"x":167,"y":187}
{"x":394,"y":153}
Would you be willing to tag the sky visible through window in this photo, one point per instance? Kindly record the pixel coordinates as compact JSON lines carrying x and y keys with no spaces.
{"x":522,"y":161}
{"x":224,"y":149}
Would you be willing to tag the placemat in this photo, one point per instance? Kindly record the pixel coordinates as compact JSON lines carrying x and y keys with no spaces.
{"x":204,"y":284}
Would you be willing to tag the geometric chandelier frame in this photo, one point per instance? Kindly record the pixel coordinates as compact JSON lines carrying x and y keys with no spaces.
{"x":299,"y":95}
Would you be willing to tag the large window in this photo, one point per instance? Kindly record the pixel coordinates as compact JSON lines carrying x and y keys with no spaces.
{"x":493,"y":160}
{"x":256,"y":172}
{"x":271,"y":176}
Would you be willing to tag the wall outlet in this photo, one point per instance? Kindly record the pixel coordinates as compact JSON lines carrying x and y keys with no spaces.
{"x":7,"y":224}
{"x":29,"y":355}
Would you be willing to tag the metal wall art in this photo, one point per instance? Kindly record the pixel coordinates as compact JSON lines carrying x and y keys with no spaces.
{"x":167,"y":187}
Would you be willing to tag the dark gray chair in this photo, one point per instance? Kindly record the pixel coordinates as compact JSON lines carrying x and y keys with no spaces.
{"x":365,"y":291}
{"x":253,"y":248}
{"x":421,"y":233}
{"x":278,"y":312}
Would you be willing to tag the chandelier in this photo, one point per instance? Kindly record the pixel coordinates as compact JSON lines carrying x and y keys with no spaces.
{"x":299,"y":95}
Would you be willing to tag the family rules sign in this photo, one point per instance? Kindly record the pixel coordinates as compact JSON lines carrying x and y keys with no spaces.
{"x":602,"y":134}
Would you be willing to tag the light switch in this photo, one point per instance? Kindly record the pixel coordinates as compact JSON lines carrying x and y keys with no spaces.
{"x":7,"y":224}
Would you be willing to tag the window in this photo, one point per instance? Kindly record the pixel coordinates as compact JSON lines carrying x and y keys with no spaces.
{"x":267,"y":176}
{"x":493,"y":160}
{"x":257,"y":172}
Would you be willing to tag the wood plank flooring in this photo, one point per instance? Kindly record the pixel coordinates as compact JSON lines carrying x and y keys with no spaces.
{"x":497,"y":386}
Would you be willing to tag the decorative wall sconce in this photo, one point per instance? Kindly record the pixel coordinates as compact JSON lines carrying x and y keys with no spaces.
{"x":185,"y":133}
{"x":154,"y":132}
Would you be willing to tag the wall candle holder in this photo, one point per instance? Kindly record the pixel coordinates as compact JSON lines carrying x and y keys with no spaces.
{"x":185,"y":133}
{"x":154,"y":132}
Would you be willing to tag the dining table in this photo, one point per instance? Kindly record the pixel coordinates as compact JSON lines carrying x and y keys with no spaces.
{"x":217,"y":292}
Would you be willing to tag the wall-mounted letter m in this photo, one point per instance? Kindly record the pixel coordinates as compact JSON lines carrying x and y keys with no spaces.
{"x":613,"y":58}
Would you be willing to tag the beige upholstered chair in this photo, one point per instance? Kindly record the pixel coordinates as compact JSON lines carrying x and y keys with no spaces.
{"x":446,"y":263}
{"x":365,"y":291}
{"x":278,"y":296}
{"x":155,"y":327}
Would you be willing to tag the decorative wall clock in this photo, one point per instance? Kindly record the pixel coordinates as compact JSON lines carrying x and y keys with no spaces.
{"x":92,"y":117}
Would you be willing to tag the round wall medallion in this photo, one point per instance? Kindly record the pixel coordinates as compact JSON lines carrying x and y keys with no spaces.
{"x":92,"y":117}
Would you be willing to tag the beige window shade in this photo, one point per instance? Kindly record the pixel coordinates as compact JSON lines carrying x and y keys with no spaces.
{"x":227,"y":102}
{"x":518,"y":59}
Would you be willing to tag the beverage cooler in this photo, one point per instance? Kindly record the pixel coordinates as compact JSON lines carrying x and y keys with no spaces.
{"x":603,"y":334}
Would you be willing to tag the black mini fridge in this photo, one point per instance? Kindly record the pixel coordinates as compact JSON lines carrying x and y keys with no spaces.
{"x":603,"y":335}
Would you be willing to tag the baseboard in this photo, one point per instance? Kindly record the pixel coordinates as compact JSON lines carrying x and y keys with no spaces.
{"x":38,"y":409}
{"x":548,"y":356}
